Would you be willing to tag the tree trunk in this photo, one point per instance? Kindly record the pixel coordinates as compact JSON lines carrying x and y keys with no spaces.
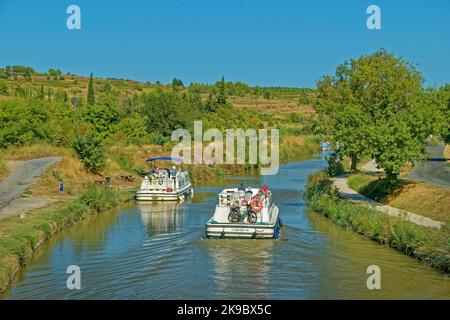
{"x":354,"y":158}
{"x":392,"y":180}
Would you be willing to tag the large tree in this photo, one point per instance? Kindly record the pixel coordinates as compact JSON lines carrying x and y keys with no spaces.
{"x":376,"y":105}
{"x":342,"y":119}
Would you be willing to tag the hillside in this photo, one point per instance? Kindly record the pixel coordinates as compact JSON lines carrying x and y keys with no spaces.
{"x":48,"y":114}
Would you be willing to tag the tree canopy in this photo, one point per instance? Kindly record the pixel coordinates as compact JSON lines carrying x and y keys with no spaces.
{"x":376,"y":106}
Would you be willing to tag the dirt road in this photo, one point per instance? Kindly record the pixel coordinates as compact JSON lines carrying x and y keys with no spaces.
{"x":21,"y":178}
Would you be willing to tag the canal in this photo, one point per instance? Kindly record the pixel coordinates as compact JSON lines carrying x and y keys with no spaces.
{"x":156,"y":251}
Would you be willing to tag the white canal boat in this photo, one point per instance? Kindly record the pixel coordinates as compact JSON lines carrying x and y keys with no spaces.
{"x":165,"y":184}
{"x":245,"y":213}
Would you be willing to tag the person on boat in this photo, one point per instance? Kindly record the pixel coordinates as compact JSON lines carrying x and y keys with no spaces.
{"x":241,"y":187}
{"x":174,"y":171}
{"x":264,"y":192}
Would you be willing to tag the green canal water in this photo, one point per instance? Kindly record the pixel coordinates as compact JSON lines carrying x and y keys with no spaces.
{"x":156,"y":251}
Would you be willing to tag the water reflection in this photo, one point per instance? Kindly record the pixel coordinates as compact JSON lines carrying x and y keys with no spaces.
{"x":241,"y":267}
{"x":402,"y":277}
{"x":160,"y":217}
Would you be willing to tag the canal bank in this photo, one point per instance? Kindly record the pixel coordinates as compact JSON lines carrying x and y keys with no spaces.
{"x":430,"y":245}
{"x":21,"y":237}
{"x":156,"y":251}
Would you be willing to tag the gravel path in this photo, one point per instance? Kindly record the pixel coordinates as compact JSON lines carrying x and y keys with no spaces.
{"x":349,"y":194}
{"x":16,"y":183}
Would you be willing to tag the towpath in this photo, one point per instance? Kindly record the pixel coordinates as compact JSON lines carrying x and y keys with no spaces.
{"x":349,"y":194}
{"x":15,"y":184}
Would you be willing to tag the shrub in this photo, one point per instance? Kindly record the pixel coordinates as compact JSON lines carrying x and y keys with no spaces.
{"x":91,"y":151}
{"x":123,"y":160}
{"x":99,"y":199}
{"x":140,"y":170}
{"x":157,"y":138}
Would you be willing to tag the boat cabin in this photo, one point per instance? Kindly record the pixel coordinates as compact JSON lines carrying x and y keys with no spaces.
{"x":248,"y":205}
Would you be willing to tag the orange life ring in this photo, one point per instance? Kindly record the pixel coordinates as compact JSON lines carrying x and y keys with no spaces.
{"x":258,"y":207}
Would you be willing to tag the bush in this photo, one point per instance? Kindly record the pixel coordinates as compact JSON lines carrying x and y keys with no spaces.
{"x":91,"y":151}
{"x":140,"y":170}
{"x":157,"y":138}
{"x":123,"y":160}
{"x":99,"y":199}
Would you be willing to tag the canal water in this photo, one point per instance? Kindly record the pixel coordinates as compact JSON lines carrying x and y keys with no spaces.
{"x":156,"y":251}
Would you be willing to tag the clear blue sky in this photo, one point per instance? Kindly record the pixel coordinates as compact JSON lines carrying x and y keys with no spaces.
{"x":279,"y":43}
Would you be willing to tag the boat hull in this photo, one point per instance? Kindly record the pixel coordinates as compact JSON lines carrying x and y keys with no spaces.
{"x":244,"y":230}
{"x":162,"y":195}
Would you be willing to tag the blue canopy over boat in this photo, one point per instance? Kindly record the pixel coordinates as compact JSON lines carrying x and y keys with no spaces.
{"x":177,"y":160}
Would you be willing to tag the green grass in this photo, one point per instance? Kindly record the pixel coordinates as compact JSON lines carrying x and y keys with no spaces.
{"x":359,"y":181}
{"x":431,"y":246}
{"x":372,"y":187}
{"x":20,"y":237}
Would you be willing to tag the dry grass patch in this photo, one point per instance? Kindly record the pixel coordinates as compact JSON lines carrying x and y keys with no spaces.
{"x":278,"y":107}
{"x":447,"y":153}
{"x":420,"y":198}
{"x":4,"y":169}
{"x":423,"y":199}
{"x":34,"y":151}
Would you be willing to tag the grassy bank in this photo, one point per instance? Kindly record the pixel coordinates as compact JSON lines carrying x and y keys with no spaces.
{"x":424,"y":199}
{"x":428,"y":245}
{"x":21,"y":237}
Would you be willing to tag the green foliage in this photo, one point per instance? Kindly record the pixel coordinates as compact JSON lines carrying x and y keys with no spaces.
{"x":177,"y":84}
{"x":157,"y":138}
{"x":3,"y":88}
{"x":133,"y":129}
{"x":123,"y":160}
{"x":295,"y":118}
{"x":91,"y":92}
{"x":54,"y":73}
{"x":239,"y":89}
{"x":319,"y":185}
{"x":446,"y":115}
{"x":41,"y":93}
{"x":19,"y":70}
{"x":103,"y":118}
{"x":91,"y":151}
{"x":99,"y":199}
{"x":140,"y":170}
{"x":375,"y":106}
{"x":30,"y":121}
{"x":221,"y":96}
{"x":304,"y":98}
{"x":165,"y":112}
{"x":335,"y":167}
